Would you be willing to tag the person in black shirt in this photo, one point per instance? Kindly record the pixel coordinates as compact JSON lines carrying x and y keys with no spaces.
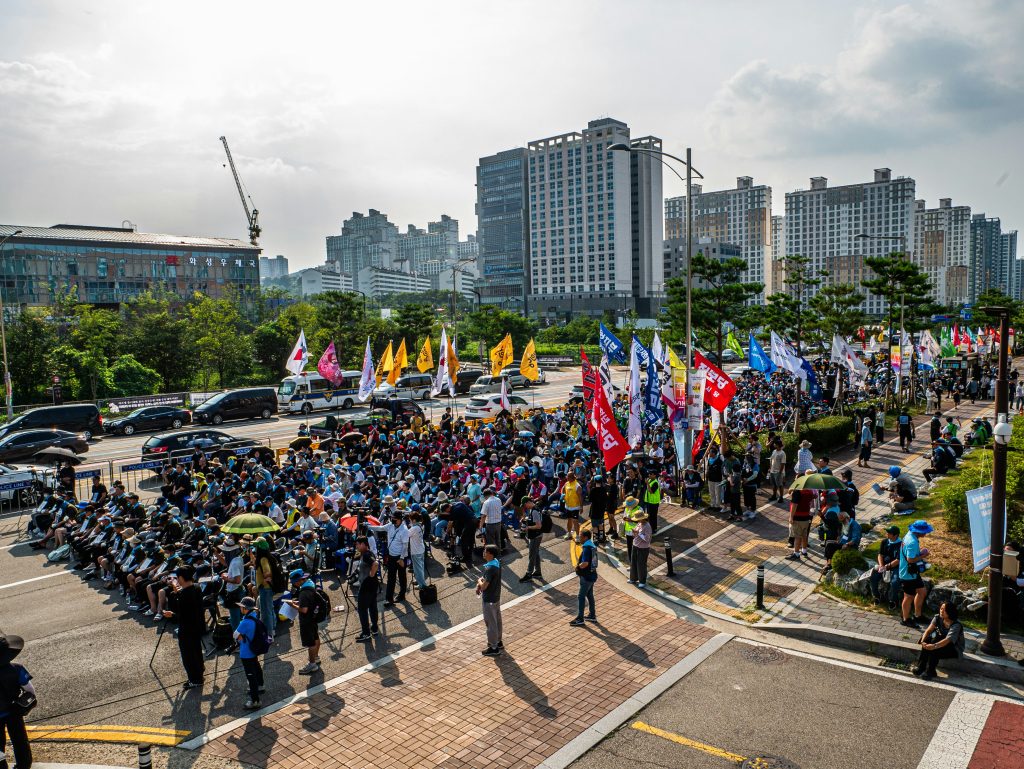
{"x":366,"y":588}
{"x":186,"y":606}
{"x":462,"y":527}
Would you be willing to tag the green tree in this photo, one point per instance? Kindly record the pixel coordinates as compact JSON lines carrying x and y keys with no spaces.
{"x":157,"y":337}
{"x":339,"y":317}
{"x":490,"y":324}
{"x":31,"y":340}
{"x":414,"y":323}
{"x":216,"y":335}
{"x":836,"y":310}
{"x":579,"y":330}
{"x":274,"y":339}
{"x":129,"y":377}
{"x":719,"y":295}
{"x":905,"y":288}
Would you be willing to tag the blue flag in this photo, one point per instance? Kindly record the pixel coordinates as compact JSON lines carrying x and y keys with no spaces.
{"x":643,"y":355}
{"x":653,"y":410}
{"x":812,"y":381}
{"x":759,"y":360}
{"x":611,"y":346}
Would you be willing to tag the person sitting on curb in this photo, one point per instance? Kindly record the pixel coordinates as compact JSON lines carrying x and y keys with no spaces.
{"x":851,"y":532}
{"x":902,"y":490}
{"x":943,"y":639}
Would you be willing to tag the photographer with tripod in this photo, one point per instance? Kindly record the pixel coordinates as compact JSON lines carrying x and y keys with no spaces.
{"x":186,"y":606}
{"x":365,"y":584}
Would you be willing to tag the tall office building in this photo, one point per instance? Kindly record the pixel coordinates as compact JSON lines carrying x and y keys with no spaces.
{"x":822,"y":224}
{"x":273,"y":268}
{"x":942,"y":248}
{"x":741,"y":216}
{"x":439,"y":242}
{"x":365,"y":241}
{"x":596,"y":227}
{"x":502,"y":227}
{"x":990,"y":268}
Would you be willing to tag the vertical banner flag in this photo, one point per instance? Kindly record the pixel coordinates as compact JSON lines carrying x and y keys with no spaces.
{"x":719,"y":389}
{"x":367,"y":381}
{"x":611,"y":345}
{"x":678,"y":396}
{"x":695,"y":398}
{"x":300,"y":355}
{"x":528,"y":365}
{"x":505,"y":403}
{"x":604,"y":373}
{"x":733,"y":343}
{"x":328,"y":366}
{"x":634,"y":428}
{"x":400,"y":362}
{"x":501,"y":355}
{"x":452,"y":366}
{"x":385,"y":364}
{"x":441,"y":378}
{"x":896,"y":357}
{"x":662,"y":353}
{"x":425,"y":360}
{"x":643,"y":355}
{"x":783,"y":357}
{"x":613,"y":447}
{"x":906,"y":351}
{"x":653,"y":412}
{"x":675,"y":362}
{"x":759,"y":360}
{"x":590,"y":384}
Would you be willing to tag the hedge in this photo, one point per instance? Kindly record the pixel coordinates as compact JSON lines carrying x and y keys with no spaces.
{"x":827,"y":434}
{"x":844,"y":560}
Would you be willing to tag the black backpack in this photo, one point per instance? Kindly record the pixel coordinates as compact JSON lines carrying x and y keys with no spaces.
{"x":261,"y":639}
{"x":278,"y":579}
{"x":223,"y":636}
{"x":321,"y":607}
{"x":546,"y":524}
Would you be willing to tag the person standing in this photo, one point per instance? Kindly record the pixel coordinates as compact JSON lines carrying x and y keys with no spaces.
{"x":777,"y":471}
{"x":642,"y":536}
{"x":912,"y":557}
{"x":533,"y":525}
{"x":186,"y":607}
{"x":652,"y":500}
{"x":366,"y":588}
{"x":490,"y":518}
{"x":598,"y":506}
{"x":309,"y":632}
{"x":906,"y":428}
{"x":265,"y":584}
{"x":572,"y":501}
{"x":13,"y":678}
{"x":417,"y":549}
{"x":586,"y":570}
{"x":245,"y":634}
{"x":800,"y":514}
{"x":488,"y":587}
{"x":398,"y":543}
{"x":867,"y":440}
{"x":714,"y":475}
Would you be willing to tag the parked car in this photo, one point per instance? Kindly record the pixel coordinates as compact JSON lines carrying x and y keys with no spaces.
{"x":516,"y":378}
{"x":465,"y":379}
{"x":75,"y":418}
{"x":576,"y":393}
{"x":488,"y":384}
{"x":39,"y":479}
{"x":399,"y":409}
{"x":730,"y":356}
{"x":181,"y":444}
{"x":407,"y":387}
{"x":487,"y":406}
{"x":149,"y":418}
{"x":247,"y":403}
{"x":23,"y":445}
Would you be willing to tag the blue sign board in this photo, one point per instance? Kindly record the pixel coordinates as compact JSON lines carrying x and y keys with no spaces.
{"x":142,"y":465}
{"x":979,"y":510}
{"x":15,"y":485}
{"x":966,"y":314}
{"x":87,"y":474}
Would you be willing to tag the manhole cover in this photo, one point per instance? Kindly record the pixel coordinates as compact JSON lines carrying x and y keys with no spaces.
{"x":764,"y":655}
{"x":768,"y":762}
{"x":772,"y":590}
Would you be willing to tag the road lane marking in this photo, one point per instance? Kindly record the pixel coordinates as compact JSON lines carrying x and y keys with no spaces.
{"x":107,"y":728}
{"x":99,"y":733}
{"x":33,"y":579}
{"x":640,"y":726}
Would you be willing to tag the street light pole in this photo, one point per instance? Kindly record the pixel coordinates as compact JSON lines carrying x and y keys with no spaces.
{"x":992,"y":645}
{"x":8,"y":393}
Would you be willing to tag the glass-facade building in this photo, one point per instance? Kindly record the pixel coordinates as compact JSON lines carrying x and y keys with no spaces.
{"x":502,"y":229}
{"x":108,"y":266}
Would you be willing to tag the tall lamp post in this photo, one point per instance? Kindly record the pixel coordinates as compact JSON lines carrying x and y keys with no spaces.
{"x":1002,"y":431}
{"x":357,"y":291}
{"x":690,"y":173}
{"x":8,"y":394}
{"x":903,"y":254}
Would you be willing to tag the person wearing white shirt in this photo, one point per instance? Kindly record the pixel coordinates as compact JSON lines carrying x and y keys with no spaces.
{"x":398,"y":547}
{"x":490,"y":518}
{"x":274,"y":511}
{"x":417,"y":550}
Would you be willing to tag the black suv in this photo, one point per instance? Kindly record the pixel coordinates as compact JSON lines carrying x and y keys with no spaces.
{"x":466,"y":378}
{"x":180,"y":445}
{"x":81,"y":418}
{"x":149,"y":418}
{"x":247,"y":403}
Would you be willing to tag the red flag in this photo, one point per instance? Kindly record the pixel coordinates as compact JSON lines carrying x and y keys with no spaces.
{"x":613,"y":445}
{"x":591,"y":383}
{"x":696,"y":445}
{"x":719,"y":389}
{"x":328,"y":365}
{"x":956,"y":335}
{"x":994,"y":334}
{"x":862,"y":336}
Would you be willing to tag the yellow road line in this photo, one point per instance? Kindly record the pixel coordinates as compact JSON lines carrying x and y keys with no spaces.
{"x":686,"y":742}
{"x":107,"y":727}
{"x":108,"y":733}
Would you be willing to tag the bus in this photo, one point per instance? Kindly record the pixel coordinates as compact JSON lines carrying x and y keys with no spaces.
{"x":308,"y":391}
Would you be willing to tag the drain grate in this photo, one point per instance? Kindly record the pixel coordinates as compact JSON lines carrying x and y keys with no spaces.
{"x":764,"y":655}
{"x":888,"y":662}
{"x":768,"y":762}
{"x":773,"y":590}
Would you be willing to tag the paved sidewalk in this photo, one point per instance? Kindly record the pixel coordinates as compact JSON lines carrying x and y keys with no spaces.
{"x":447,"y":706}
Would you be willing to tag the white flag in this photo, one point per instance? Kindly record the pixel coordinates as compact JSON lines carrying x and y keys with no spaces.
{"x":300,"y":355}
{"x":506,"y":404}
{"x":367,"y":381}
{"x":783,"y":357}
{"x":441,"y":379}
{"x":634,"y":428}
{"x":659,"y":351}
{"x":845,"y":355}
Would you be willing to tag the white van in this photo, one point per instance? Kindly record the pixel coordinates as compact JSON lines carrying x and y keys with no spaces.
{"x":308,"y":391}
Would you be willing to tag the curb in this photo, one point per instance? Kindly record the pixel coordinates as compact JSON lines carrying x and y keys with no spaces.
{"x":1001,"y":669}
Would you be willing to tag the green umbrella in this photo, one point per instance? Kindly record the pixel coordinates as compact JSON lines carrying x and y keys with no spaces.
{"x":249,"y":523}
{"x":818,"y":481}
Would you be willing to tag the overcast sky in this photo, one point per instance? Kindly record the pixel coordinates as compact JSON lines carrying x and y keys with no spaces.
{"x":111,"y":110}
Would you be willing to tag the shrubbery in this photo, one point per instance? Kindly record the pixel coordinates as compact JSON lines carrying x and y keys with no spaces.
{"x":827,"y":434}
{"x":844,"y":560}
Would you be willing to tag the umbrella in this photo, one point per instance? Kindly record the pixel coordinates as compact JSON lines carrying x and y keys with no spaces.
{"x":526,"y":434}
{"x":59,"y":452}
{"x":249,"y":523}
{"x":355,"y":435}
{"x":818,"y":481}
{"x":379,"y":414}
{"x":351,"y":522}
{"x":525,"y":425}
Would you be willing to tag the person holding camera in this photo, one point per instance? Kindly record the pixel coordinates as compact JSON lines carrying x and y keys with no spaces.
{"x":943,"y":639}
{"x":365,"y":584}
{"x":488,"y":587}
{"x":14,"y":679}
{"x":186,"y":607}
{"x":912,"y":565}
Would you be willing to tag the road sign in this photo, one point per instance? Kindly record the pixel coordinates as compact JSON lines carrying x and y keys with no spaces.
{"x":966,"y":314}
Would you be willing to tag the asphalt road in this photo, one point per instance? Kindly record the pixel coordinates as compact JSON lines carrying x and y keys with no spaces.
{"x":748,"y":701}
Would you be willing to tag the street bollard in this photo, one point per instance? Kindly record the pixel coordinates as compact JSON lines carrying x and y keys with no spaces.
{"x":670,"y":569}
{"x":145,"y":759}
{"x":760,"y":586}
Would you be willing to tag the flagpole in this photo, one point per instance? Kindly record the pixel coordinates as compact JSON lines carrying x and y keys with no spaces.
{"x":688,"y":433}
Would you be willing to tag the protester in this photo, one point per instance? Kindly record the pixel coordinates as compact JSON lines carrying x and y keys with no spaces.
{"x":642,"y":536}
{"x":488,"y":587}
{"x":912,"y":564}
{"x":365,"y":587}
{"x":186,"y":608}
{"x":305,"y":604}
{"x":246,"y":635}
{"x":942,"y":639}
{"x":886,"y":568}
{"x":586,"y":570}
{"x":533,"y":525}
{"x":13,"y":680}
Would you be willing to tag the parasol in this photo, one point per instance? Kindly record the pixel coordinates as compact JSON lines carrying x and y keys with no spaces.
{"x":818,"y":481}
{"x":249,"y":523}
{"x":355,"y":435}
{"x":300,"y":443}
{"x":59,"y":452}
{"x":351,"y":522}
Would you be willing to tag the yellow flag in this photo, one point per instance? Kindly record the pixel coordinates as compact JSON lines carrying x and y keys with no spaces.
{"x":425,"y":360}
{"x":384,"y":365}
{"x":453,"y":361}
{"x":673,"y":359}
{"x":881,"y":335}
{"x":401,"y":357}
{"x":501,"y":355}
{"x":528,"y":366}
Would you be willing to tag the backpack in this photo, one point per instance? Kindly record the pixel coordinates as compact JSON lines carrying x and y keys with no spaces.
{"x":223,"y":636}
{"x":261,"y":640}
{"x":546,"y":524}
{"x":321,"y":608}
{"x":278,"y":579}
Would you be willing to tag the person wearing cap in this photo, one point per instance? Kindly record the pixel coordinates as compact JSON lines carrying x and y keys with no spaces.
{"x":185,"y":606}
{"x":309,"y":634}
{"x":888,"y":562}
{"x":532,"y":524}
{"x":905,"y":424}
{"x":586,"y":570}
{"x":902,"y":490}
{"x":943,"y":459}
{"x":244,"y":635}
{"x":642,"y":536}
{"x":398,"y":546}
{"x":13,"y":678}
{"x":263,"y":568}
{"x":234,"y":571}
{"x":912,"y":564}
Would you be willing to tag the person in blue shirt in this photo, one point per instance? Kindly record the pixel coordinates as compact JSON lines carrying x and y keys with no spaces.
{"x":586,"y":569}
{"x":13,"y":678}
{"x":912,"y":557}
{"x":244,"y":634}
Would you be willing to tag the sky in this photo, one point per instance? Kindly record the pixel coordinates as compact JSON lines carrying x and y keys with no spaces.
{"x":111,"y":111}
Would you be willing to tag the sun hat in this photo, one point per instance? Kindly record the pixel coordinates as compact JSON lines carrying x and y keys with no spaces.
{"x":805,"y":444}
{"x":638,"y":516}
{"x":921,"y":528}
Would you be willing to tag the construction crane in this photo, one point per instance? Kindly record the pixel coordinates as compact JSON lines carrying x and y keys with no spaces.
{"x":251,"y":215}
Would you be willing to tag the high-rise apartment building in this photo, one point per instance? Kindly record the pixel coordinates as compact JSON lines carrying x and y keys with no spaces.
{"x":595,"y":222}
{"x":822,"y":223}
{"x":439,"y":242}
{"x":741,"y":216}
{"x":273,"y":268}
{"x":365,"y":241}
{"x":942,"y":248}
{"x":502,"y":227}
{"x":1008,"y":243}
{"x":775,"y":274}
{"x":990,"y":268}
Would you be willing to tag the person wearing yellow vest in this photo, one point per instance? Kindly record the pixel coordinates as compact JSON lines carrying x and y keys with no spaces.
{"x":652,"y":499}
{"x":572,"y":501}
{"x":630,"y":506}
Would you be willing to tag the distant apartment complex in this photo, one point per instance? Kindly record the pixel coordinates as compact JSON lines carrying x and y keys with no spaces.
{"x":942,"y":248}
{"x":270,"y":269}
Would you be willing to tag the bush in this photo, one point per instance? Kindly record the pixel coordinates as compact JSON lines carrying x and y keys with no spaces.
{"x":827,"y":434}
{"x":845,"y":560}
